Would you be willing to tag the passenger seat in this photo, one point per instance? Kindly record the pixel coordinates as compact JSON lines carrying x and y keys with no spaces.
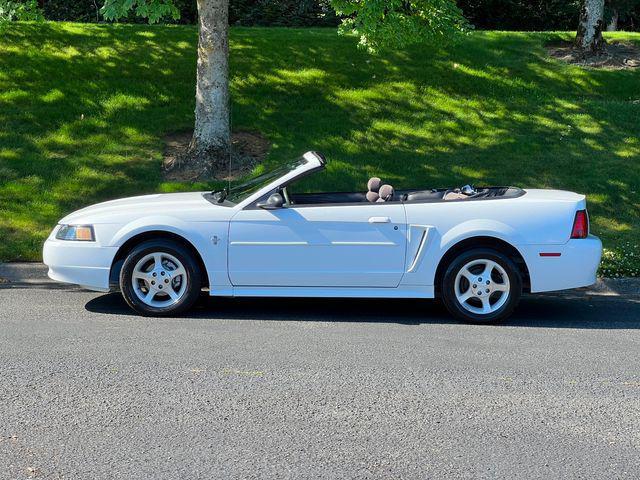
{"x":377,"y":192}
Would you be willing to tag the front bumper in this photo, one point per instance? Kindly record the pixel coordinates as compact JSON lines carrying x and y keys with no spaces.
{"x":576,"y":266}
{"x":81,"y":263}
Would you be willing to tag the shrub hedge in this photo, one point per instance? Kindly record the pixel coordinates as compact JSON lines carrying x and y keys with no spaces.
{"x":284,"y":13}
{"x":540,"y":15}
{"x":527,"y":15}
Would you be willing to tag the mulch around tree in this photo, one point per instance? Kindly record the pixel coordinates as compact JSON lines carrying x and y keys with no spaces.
{"x":616,"y":55}
{"x":248,"y":150}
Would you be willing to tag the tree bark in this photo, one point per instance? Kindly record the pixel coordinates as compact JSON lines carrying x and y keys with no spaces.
{"x":211,"y":143}
{"x":589,"y":38}
{"x":613,"y":24}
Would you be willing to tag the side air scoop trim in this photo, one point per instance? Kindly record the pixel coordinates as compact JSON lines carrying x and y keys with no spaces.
{"x":423,"y":232}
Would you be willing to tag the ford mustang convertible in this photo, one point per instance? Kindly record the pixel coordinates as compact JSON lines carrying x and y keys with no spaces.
{"x":477,"y":249}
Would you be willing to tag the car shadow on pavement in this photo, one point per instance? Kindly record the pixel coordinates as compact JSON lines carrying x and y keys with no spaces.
{"x":546,"y":311}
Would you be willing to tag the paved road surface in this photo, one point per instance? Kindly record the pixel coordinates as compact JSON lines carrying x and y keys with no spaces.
{"x":317,"y":389}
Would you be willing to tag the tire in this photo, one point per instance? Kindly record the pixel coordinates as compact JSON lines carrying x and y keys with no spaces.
{"x":160,"y":278}
{"x":469,"y":297}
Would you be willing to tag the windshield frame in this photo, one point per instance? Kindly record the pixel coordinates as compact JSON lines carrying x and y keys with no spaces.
{"x":255,"y":188}
{"x":238,"y":193}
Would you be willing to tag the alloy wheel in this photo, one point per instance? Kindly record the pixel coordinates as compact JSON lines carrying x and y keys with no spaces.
{"x":482,"y":286}
{"x":159,"y":280}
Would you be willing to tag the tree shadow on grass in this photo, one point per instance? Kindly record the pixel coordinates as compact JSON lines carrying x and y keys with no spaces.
{"x":84,"y":109}
{"x":490,"y":111}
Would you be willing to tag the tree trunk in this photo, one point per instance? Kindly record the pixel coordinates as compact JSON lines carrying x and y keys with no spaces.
{"x":589,"y":38}
{"x":211,"y":143}
{"x":613,"y":24}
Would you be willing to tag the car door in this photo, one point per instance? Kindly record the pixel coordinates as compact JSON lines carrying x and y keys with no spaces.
{"x":338,"y":245}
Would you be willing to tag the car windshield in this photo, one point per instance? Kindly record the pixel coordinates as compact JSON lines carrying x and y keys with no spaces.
{"x":238,"y":193}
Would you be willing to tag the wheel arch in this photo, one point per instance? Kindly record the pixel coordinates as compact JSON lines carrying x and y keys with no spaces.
{"x":484,"y":241}
{"x":137,"y":239}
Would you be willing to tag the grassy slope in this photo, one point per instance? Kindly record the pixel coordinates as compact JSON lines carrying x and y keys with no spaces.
{"x":83,"y":109}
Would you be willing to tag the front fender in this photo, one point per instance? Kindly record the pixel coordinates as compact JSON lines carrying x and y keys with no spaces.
{"x":163,"y":223}
{"x":198,"y":234}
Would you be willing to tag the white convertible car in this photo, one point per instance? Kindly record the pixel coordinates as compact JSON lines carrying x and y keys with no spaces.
{"x":476,"y":249}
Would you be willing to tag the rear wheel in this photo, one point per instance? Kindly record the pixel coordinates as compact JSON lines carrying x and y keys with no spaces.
{"x":481,"y":286}
{"x":160,"y":278}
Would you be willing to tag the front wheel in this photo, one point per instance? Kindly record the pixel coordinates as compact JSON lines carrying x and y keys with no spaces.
{"x":160,"y":278}
{"x":481,"y":286}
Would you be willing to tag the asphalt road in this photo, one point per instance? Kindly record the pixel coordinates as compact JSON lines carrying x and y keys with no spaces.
{"x":317,"y":389}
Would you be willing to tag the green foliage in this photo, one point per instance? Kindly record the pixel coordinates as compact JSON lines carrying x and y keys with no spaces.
{"x":624,"y":7}
{"x":540,"y":15}
{"x":11,"y":10}
{"x":188,"y":12}
{"x":378,"y":23}
{"x":153,"y":10}
{"x":398,"y":23}
{"x":523,"y":15}
{"x":621,"y":261}
{"x":84,"y":109}
{"x":290,"y":13}
{"x":282,"y":13}
{"x":628,"y":12}
{"x":72,"y":10}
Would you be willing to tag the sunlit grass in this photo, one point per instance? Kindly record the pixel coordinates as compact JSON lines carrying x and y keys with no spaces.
{"x":84,"y":108}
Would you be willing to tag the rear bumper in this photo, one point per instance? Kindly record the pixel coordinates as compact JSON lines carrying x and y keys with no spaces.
{"x":84,"y":264}
{"x":576,"y":266}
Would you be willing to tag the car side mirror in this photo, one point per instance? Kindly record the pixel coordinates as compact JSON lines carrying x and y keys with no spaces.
{"x":274,"y":202}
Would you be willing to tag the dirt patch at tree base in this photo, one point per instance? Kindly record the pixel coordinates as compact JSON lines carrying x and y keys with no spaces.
{"x":248,"y":149}
{"x":615,"y":56}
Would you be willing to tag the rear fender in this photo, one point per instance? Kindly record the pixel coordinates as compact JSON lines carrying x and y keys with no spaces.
{"x":439,"y":245}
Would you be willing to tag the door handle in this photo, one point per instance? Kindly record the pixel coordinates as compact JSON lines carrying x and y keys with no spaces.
{"x":379,"y":220}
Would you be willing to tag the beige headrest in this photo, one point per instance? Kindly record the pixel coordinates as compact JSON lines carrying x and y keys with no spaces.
{"x":386,"y":193}
{"x":374,"y":183}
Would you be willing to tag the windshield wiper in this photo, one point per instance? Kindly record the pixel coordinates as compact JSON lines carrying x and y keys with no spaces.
{"x":220,"y":195}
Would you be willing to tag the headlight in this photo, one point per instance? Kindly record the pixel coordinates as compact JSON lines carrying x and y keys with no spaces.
{"x":80,"y":233}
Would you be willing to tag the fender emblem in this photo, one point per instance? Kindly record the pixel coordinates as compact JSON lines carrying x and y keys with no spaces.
{"x":215,"y":239}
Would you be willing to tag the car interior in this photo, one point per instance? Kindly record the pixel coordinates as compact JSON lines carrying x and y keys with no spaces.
{"x":380,"y":192}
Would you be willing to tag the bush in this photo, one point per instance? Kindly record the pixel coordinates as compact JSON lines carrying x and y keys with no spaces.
{"x":290,"y":13}
{"x":284,"y":13}
{"x":621,"y":261}
{"x":527,"y":15}
{"x":11,"y":10}
{"x":89,"y":11}
{"x":539,"y":15}
{"x":65,"y":10}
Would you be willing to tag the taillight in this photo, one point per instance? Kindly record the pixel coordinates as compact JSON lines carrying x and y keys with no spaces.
{"x":580,"y":225}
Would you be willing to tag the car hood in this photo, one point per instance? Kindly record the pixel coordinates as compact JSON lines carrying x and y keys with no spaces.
{"x":186,"y":205}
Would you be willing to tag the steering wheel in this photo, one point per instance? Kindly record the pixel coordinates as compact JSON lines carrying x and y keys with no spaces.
{"x":468,"y":190}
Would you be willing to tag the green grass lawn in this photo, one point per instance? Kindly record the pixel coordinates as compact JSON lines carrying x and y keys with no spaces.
{"x":84,"y":108}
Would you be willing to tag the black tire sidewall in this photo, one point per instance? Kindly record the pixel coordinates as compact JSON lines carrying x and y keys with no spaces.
{"x":194,"y":277}
{"x":448,"y":286}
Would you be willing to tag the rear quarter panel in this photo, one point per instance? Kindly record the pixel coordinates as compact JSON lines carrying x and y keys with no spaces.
{"x":540,"y":217}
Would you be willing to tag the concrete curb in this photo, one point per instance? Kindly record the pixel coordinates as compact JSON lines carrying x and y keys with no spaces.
{"x":623,"y":287}
{"x":23,"y":274}
{"x":29,"y":275}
